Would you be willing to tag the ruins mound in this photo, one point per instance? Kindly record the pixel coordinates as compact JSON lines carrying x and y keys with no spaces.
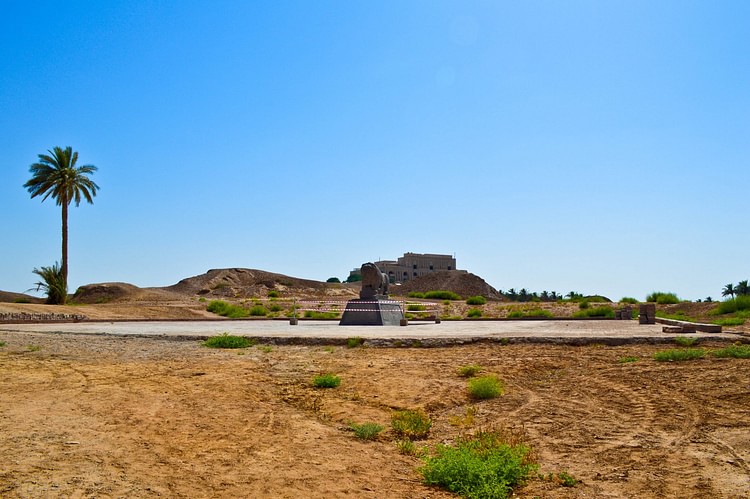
{"x":464,"y":284}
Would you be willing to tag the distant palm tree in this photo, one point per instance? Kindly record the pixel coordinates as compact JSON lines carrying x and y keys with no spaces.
{"x":58,"y":176}
{"x":742,"y":288}
{"x":52,"y":283}
{"x":728,"y":290}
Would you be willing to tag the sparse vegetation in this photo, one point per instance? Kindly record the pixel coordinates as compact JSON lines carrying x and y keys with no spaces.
{"x":415,"y":294}
{"x":354,"y":342}
{"x":678,"y":355}
{"x":2,"y":344}
{"x":409,"y":448}
{"x":226,"y":340}
{"x":534,"y":313}
{"x":33,"y":348}
{"x":627,"y":359}
{"x":326,"y":381}
{"x":469,"y":371}
{"x":566,"y":479}
{"x":225,"y":309}
{"x":686,"y":341}
{"x":737,"y":304}
{"x":476,"y":300}
{"x":485,"y":387}
{"x":366,"y":431}
{"x":730,"y":321}
{"x":311,"y":314}
{"x":273,"y":294}
{"x":411,"y":424}
{"x":480,"y":466}
{"x":628,"y":300}
{"x":474,"y":313}
{"x":599,"y":312}
{"x":662,"y":298}
{"x":415,"y":307}
{"x":258,"y":311}
{"x":734,"y":351}
{"x":441,"y":295}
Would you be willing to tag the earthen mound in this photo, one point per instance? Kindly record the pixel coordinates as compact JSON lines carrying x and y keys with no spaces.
{"x":464,"y":284}
{"x":105,"y":292}
{"x":246,"y":283}
{"x":10,"y":297}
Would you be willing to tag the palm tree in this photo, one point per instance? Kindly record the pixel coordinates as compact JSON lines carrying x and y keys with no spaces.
{"x":742,"y":288}
{"x":728,"y":290}
{"x":58,"y":176}
{"x":52,"y":283}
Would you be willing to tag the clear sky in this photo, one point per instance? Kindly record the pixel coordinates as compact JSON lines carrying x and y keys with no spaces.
{"x":589,"y":146}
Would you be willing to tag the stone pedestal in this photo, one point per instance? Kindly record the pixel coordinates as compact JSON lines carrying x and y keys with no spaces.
{"x":372,"y":312}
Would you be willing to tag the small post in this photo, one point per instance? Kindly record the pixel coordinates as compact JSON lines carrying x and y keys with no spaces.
{"x":294,"y":321}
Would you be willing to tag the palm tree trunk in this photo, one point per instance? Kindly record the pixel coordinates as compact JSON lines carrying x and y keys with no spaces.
{"x":65,"y":246}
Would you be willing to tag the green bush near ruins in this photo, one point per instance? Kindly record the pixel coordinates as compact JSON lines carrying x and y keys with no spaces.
{"x":599,"y":312}
{"x":482,"y":465}
{"x":662,"y":298}
{"x":225,"y":309}
{"x":679,"y":355}
{"x":411,"y":424}
{"x":733,"y":351}
{"x":441,"y":295}
{"x":476,"y":300}
{"x":474,"y":313}
{"x":485,"y":387}
{"x":366,"y":431}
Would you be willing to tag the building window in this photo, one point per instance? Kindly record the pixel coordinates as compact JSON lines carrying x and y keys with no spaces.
{"x":431,"y":267}
{"x":414,"y":266}
{"x":415,"y":274}
{"x":449,"y":267}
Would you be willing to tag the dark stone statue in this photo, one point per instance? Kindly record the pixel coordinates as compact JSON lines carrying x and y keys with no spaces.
{"x":374,"y":282}
{"x":373,"y":308}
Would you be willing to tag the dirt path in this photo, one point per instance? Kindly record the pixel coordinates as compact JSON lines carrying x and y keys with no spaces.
{"x":84,"y":416}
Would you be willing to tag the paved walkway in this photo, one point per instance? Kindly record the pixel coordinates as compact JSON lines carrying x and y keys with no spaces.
{"x":559,"y":331}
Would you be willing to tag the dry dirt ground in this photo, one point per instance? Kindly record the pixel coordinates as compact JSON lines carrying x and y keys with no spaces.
{"x":84,"y":416}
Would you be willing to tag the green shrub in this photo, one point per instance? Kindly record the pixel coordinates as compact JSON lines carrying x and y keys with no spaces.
{"x":584,"y":305}
{"x":686,"y":341}
{"x":469,"y":371}
{"x":662,"y":298}
{"x":354,"y":342}
{"x":413,"y":307}
{"x":366,"y":431}
{"x":275,"y":307}
{"x":735,"y":351}
{"x":736,"y":305}
{"x":226,"y":340}
{"x":411,"y":424}
{"x":53,"y":284}
{"x":258,"y":311}
{"x":474,"y":312}
{"x":273,"y":294}
{"x":21,"y":299}
{"x":480,"y":466}
{"x":326,"y":381}
{"x":415,"y":294}
{"x":629,"y":300}
{"x":679,"y":355}
{"x":2,"y":344}
{"x":34,"y":348}
{"x":485,"y":387}
{"x":566,"y":479}
{"x":476,"y":300}
{"x":730,"y":321}
{"x":538,"y":312}
{"x":225,"y":309}
{"x":310,"y":314}
{"x":603,"y":312}
{"x":515,"y":314}
{"x":442,"y":295}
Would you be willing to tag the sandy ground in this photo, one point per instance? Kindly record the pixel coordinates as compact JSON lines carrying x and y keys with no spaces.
{"x":102,"y":416}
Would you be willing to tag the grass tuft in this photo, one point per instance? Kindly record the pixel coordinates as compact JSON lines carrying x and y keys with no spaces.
{"x":662,"y":298}
{"x":354,"y":342}
{"x":366,"y":431}
{"x":628,"y":359}
{"x":474,"y":313}
{"x":476,"y":300}
{"x":485,"y":387}
{"x":678,"y":355}
{"x":326,"y":381}
{"x":686,"y":341}
{"x":226,"y":340}
{"x":469,"y":371}
{"x":411,"y":424}
{"x":734,"y":351}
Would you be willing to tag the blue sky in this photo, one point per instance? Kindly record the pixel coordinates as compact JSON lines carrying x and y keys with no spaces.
{"x":594,"y":146}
